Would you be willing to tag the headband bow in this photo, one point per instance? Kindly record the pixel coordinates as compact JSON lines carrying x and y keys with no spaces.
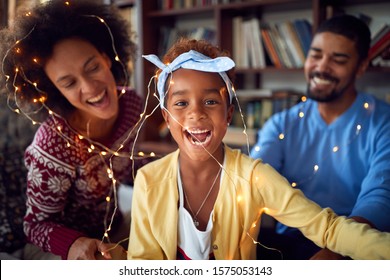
{"x":195,"y":61}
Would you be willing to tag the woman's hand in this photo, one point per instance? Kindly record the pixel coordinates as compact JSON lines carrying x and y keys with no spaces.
{"x":85,"y":248}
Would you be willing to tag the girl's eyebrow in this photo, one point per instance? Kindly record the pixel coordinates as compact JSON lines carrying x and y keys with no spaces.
{"x":85,"y":65}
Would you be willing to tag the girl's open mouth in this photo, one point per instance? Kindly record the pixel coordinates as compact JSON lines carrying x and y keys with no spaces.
{"x":198,"y":137}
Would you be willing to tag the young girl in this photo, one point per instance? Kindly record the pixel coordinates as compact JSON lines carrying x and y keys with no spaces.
{"x":204,"y":200}
{"x":64,"y":62}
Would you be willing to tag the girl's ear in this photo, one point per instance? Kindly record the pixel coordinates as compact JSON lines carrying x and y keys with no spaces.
{"x":165,"y":116}
{"x":230,"y":113}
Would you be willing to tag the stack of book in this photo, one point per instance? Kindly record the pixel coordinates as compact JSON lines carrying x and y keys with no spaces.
{"x":258,"y":105}
{"x":259,"y":44}
{"x":187,"y":4}
{"x":171,"y":35}
{"x":379,"y":53}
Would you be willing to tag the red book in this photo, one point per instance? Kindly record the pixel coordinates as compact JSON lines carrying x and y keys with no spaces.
{"x":379,"y":46}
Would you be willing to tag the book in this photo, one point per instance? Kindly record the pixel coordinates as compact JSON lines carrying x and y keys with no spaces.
{"x":378,"y":34}
{"x":269,"y":45}
{"x":238,"y":43}
{"x":257,"y":44}
{"x":379,"y":46}
{"x":293,"y":47}
{"x":304,"y":31}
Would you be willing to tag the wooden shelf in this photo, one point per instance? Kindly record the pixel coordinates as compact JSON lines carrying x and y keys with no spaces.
{"x":220,"y":17}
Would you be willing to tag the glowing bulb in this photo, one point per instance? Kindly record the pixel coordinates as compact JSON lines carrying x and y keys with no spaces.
{"x":103,"y":153}
{"x":105,"y":234}
{"x":335,"y":149}
{"x":301,"y":114}
{"x":366,"y":105}
{"x":358,"y":127}
{"x":89,"y":150}
{"x":293,"y":184}
{"x":316,"y":167}
{"x":141,"y":154}
{"x":68,"y":144}
{"x":81,"y":137}
{"x":123,"y":91}
{"x":108,"y":199}
{"x":281,"y":136}
{"x":92,"y":147}
{"x":35,"y":60}
{"x":17,"y":111}
{"x":50,"y":112}
{"x":59,"y":128}
{"x":257,"y":148}
{"x":67,"y":4}
{"x":152,"y":154}
{"x":116,"y":58}
{"x":116,"y":154}
{"x":303,"y":98}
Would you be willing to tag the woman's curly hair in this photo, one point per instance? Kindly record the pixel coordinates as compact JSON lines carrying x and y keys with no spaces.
{"x":28,"y":44}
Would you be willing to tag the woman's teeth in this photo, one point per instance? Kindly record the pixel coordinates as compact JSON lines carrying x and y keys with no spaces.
{"x":96,"y":99}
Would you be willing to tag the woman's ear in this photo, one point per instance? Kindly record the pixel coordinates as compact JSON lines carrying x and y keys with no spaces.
{"x":107,"y":59}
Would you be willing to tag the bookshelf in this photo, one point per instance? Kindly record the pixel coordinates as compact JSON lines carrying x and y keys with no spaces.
{"x":160,"y":16}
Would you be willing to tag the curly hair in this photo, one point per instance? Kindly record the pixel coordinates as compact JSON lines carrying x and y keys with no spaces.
{"x":29,"y":43}
{"x":202,"y":46}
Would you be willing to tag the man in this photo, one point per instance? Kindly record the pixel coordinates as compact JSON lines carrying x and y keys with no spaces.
{"x":335,"y":147}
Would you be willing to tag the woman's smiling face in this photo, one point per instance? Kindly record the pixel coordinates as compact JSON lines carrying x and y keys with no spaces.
{"x":82,"y":74}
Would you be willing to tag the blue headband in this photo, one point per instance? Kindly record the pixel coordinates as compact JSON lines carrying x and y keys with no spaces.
{"x":195,"y":61}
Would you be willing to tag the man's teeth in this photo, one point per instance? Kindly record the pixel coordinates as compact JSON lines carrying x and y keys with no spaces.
{"x":96,"y":98}
{"x":320,"y":81}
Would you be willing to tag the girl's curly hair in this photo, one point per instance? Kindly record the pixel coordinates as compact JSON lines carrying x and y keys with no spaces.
{"x":29,"y":42}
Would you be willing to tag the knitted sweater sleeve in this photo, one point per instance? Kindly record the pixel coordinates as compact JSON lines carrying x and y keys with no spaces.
{"x":48,"y":181}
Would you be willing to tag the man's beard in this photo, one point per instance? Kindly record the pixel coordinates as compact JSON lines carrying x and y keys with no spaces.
{"x":325,"y":98}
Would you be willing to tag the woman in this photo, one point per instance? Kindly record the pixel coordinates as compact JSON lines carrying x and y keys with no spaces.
{"x":63,"y":63}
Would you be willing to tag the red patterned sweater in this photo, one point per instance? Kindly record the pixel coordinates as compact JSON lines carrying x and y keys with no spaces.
{"x":67,"y":186}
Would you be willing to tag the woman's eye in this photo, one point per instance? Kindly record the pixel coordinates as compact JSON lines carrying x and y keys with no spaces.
{"x":68,"y":84}
{"x":93,"y":68}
